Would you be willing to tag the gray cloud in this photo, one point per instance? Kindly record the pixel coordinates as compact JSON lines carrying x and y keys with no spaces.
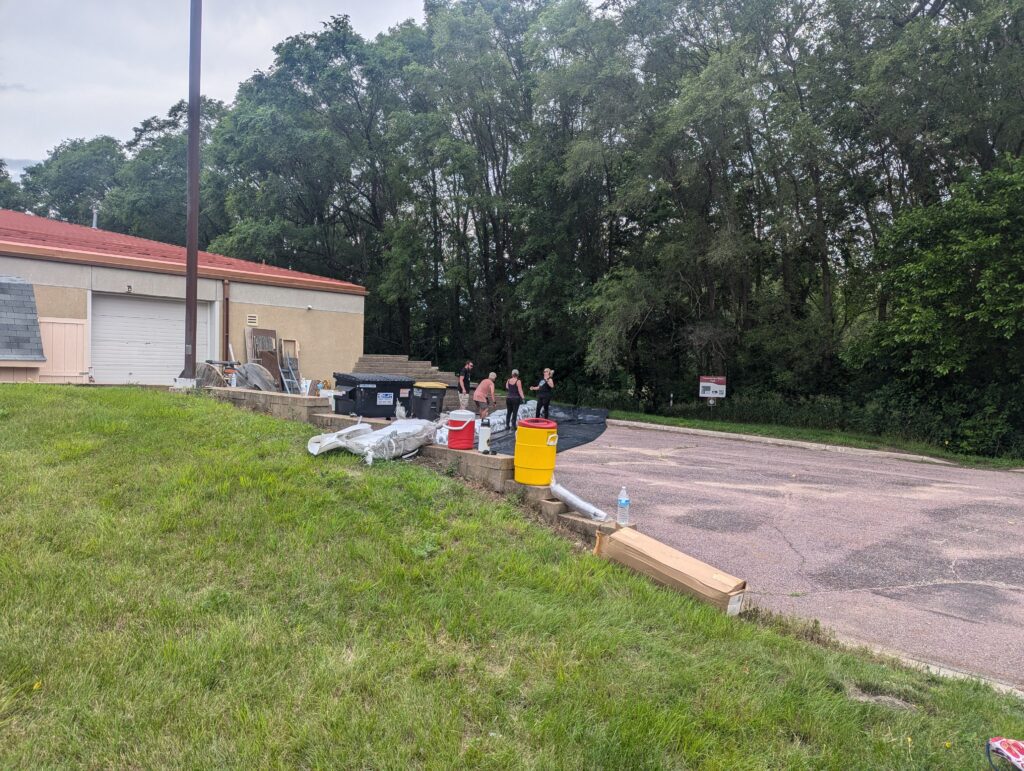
{"x":101,"y":66}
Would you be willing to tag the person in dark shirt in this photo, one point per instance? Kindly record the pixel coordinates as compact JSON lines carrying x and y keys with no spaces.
{"x":514,"y":399}
{"x":464,"y":384}
{"x":544,"y":389}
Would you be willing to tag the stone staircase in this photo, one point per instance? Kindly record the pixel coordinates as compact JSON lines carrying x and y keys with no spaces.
{"x":384,"y":364}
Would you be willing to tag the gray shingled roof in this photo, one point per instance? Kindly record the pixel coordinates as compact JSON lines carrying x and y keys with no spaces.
{"x":19,"y":322}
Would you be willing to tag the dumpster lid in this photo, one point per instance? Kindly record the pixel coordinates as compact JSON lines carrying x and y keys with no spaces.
{"x":367,"y":377}
{"x":429,"y":384}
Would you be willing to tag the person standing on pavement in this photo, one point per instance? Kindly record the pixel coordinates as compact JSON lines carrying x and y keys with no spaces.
{"x":464,"y":383}
{"x":544,"y":389}
{"x":513,"y":399}
{"x":484,"y":394}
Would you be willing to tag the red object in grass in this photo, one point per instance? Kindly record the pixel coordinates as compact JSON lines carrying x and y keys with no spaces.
{"x":1008,"y":749}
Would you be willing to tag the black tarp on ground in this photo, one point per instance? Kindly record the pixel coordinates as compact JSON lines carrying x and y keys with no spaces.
{"x":576,"y":426}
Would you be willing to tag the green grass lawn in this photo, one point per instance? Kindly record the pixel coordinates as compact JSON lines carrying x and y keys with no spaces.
{"x":181,"y":584}
{"x":824,"y":436}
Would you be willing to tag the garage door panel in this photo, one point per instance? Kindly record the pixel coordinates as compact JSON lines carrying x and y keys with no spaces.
{"x":140,"y":339}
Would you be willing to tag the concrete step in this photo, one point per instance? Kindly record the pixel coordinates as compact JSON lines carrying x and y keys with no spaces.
{"x":395,"y":364}
{"x":396,"y":367}
{"x":385,"y":367}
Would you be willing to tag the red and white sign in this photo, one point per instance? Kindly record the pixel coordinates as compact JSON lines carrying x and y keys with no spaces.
{"x":711,"y":387}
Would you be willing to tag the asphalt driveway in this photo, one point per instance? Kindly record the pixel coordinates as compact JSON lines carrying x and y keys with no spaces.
{"x":921,"y":559}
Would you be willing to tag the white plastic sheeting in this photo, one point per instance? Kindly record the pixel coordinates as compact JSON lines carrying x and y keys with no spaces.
{"x":393,"y":441}
{"x":497,"y":419}
{"x":326,"y":442}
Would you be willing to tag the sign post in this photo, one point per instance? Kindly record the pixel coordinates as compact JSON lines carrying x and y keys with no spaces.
{"x":711,"y":388}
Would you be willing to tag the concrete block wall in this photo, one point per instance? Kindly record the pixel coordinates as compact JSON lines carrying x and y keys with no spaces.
{"x":491,"y":470}
{"x":496,"y":472}
{"x":556,"y":513}
{"x":287,"y":406}
{"x":329,"y":422}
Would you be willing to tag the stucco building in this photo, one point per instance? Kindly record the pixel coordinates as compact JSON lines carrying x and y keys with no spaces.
{"x":111,"y":307}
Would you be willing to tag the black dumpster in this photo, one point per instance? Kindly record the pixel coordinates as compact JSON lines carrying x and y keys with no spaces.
{"x":427,"y":400}
{"x":371,"y":396}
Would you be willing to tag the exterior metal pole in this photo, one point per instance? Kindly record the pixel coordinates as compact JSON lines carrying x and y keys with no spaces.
{"x":192,"y":203}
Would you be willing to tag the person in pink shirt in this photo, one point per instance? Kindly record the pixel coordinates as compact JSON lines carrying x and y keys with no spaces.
{"x":484,"y":394}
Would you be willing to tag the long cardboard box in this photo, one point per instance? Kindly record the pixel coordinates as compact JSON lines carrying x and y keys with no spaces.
{"x":672,"y":568}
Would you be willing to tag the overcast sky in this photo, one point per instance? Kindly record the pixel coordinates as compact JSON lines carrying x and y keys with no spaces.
{"x":78,"y":68}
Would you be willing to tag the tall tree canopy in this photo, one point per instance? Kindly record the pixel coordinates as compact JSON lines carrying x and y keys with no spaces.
{"x":75,"y":177}
{"x":635,"y":193}
{"x":10,"y":192}
{"x":146,"y":199}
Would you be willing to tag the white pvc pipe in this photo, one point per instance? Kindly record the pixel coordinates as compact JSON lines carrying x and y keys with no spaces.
{"x":576,"y":503}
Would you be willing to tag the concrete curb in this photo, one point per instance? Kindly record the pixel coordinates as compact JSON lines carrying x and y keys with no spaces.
{"x":821,"y":447}
{"x":942,"y":670}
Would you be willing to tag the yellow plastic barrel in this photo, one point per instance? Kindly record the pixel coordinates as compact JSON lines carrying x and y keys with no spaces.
{"x":536,"y":443}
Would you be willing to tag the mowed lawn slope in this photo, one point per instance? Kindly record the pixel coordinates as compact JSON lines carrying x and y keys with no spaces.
{"x":181,"y":584}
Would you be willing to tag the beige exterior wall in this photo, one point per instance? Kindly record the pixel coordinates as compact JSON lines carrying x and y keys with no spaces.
{"x":328,"y":325}
{"x":63,"y":302}
{"x":329,"y":341}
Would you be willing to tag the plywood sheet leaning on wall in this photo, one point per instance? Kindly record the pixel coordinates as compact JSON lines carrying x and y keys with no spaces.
{"x":261,"y":348}
{"x":251,"y":375}
{"x":670,"y":567}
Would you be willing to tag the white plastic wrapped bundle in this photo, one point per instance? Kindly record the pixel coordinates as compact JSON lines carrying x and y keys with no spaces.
{"x":497,"y":420}
{"x":393,"y":441}
{"x":322,"y":443}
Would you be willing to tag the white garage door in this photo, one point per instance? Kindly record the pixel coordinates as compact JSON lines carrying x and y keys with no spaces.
{"x":142,"y":340}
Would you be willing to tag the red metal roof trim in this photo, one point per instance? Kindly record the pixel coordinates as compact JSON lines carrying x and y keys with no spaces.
{"x":48,"y":239}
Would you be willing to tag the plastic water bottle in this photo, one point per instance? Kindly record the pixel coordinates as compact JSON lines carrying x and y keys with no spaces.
{"x":622,"y":515}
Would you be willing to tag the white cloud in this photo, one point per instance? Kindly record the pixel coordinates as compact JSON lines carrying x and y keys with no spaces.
{"x":78,"y":69}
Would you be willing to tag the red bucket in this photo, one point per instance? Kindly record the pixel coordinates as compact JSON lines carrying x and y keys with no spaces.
{"x":461,"y":426}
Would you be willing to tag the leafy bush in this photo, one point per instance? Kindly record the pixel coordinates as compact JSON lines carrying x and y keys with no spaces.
{"x":827,"y":412}
{"x":951,"y":349}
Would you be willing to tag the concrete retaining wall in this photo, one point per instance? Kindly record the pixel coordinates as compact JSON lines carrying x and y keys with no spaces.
{"x":491,"y":470}
{"x":287,"y":406}
{"x":496,"y":472}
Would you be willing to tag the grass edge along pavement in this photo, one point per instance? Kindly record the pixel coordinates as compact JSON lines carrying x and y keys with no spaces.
{"x":182,"y":584}
{"x":824,"y":436}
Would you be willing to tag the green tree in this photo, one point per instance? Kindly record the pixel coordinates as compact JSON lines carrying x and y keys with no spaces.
{"x":10,"y":191}
{"x":149,"y":191}
{"x":953,"y":342}
{"x":74,"y":178}
{"x":634,"y":192}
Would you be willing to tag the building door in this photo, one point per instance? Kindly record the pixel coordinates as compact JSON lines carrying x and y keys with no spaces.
{"x":141,"y":339}
{"x":64,"y":346}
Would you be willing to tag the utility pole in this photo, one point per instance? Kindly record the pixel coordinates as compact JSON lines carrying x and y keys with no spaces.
{"x":192,"y":203}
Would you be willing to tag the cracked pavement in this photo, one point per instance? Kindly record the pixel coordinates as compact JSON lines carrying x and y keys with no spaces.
{"x":920,"y":559}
